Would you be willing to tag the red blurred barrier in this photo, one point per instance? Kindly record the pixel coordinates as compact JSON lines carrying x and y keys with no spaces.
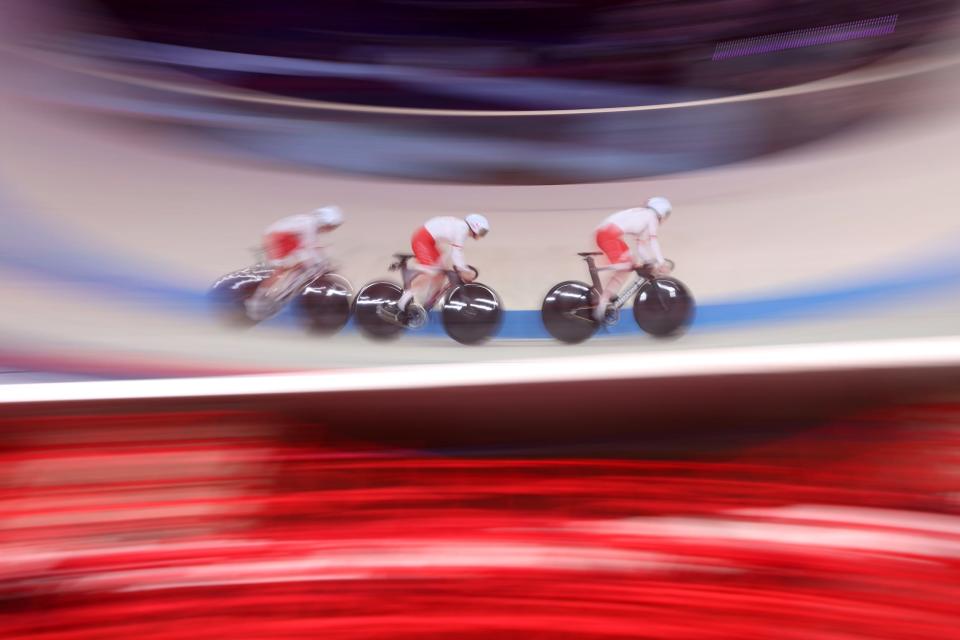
{"x":222,"y":525}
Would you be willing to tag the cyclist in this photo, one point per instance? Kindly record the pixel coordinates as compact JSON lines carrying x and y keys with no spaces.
{"x":641,"y":224}
{"x":443,"y":234}
{"x":292,"y":248}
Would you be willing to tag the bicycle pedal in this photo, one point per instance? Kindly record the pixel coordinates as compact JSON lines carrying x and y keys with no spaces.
{"x":389,"y":312}
{"x":415,"y":316}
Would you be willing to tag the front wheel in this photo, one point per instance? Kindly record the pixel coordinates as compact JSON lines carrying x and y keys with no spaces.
{"x":664,"y":307}
{"x":472,"y":313}
{"x":365,"y":305}
{"x":567,"y":311}
{"x":324,"y":304}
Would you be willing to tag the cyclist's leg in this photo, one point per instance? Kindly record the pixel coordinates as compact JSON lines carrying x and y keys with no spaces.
{"x":281,"y":250}
{"x":432,"y":283}
{"x":610,"y":290}
{"x":408,"y":293}
{"x":428,"y":255}
{"x":315,"y":262}
{"x":293,"y":271}
{"x":423,"y":287}
{"x":610,"y":241}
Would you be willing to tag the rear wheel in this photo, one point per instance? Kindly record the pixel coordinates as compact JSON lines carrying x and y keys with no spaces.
{"x":229,"y":294}
{"x":664,"y":307}
{"x":472,"y":313}
{"x":324,"y":304}
{"x":365,"y":306}
{"x":567,"y":311}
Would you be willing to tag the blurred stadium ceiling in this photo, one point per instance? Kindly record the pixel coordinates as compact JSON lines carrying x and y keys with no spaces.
{"x":667,"y":44}
{"x":455,"y":91}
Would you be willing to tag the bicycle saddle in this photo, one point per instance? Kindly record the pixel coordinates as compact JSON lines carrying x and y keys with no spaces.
{"x":401,"y":262}
{"x":584,"y":254}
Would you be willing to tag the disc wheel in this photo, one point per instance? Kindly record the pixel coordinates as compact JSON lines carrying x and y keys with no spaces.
{"x":664,"y":307}
{"x":365,"y":310}
{"x":567,"y":311}
{"x":324,"y":304}
{"x":472,"y":313}
{"x":229,"y":294}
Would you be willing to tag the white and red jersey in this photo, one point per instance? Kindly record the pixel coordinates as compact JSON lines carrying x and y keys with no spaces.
{"x":294,"y":240}
{"x":642,"y":224}
{"x":450,"y":231}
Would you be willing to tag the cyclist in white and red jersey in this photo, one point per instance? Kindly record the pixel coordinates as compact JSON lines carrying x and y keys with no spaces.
{"x":439,"y":236}
{"x":292,"y":247}
{"x":640,"y":225}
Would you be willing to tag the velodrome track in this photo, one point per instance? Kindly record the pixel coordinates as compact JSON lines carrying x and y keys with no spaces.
{"x":112,"y":235}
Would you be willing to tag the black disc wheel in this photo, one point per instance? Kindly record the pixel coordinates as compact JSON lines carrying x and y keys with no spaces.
{"x":365,"y":310}
{"x":324,"y":304}
{"x":229,"y":294}
{"x":567,"y":311}
{"x":472,"y":313}
{"x":664,"y":307}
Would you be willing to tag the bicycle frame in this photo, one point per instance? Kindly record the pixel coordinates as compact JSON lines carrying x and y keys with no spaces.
{"x":643,"y":277}
{"x":407,"y":275}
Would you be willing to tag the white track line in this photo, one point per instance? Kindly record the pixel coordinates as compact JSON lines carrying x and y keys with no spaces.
{"x":876,"y":354}
{"x":870,"y":75}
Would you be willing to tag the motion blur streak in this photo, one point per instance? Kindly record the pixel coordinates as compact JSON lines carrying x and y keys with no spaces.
{"x":242,"y":525}
{"x":862,"y":355}
{"x":807,"y":37}
{"x":849,"y":80}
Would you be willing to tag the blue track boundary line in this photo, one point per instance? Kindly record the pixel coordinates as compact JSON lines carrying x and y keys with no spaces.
{"x":63,"y":261}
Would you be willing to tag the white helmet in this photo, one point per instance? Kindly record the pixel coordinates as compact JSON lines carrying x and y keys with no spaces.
{"x":661,"y":205}
{"x":329,"y":216}
{"x":478,"y":224}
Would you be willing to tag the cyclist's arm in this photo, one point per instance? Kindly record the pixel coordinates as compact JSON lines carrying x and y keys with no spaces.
{"x":642,"y":252}
{"x":456,"y":248}
{"x":650,"y":244}
{"x":456,"y":257}
{"x":655,"y":249}
{"x":311,"y":251}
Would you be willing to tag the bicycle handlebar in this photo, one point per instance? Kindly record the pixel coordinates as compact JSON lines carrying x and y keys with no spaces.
{"x":590,"y":254}
{"x":647,"y":269}
{"x":454,"y":274}
{"x":401,"y":263}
